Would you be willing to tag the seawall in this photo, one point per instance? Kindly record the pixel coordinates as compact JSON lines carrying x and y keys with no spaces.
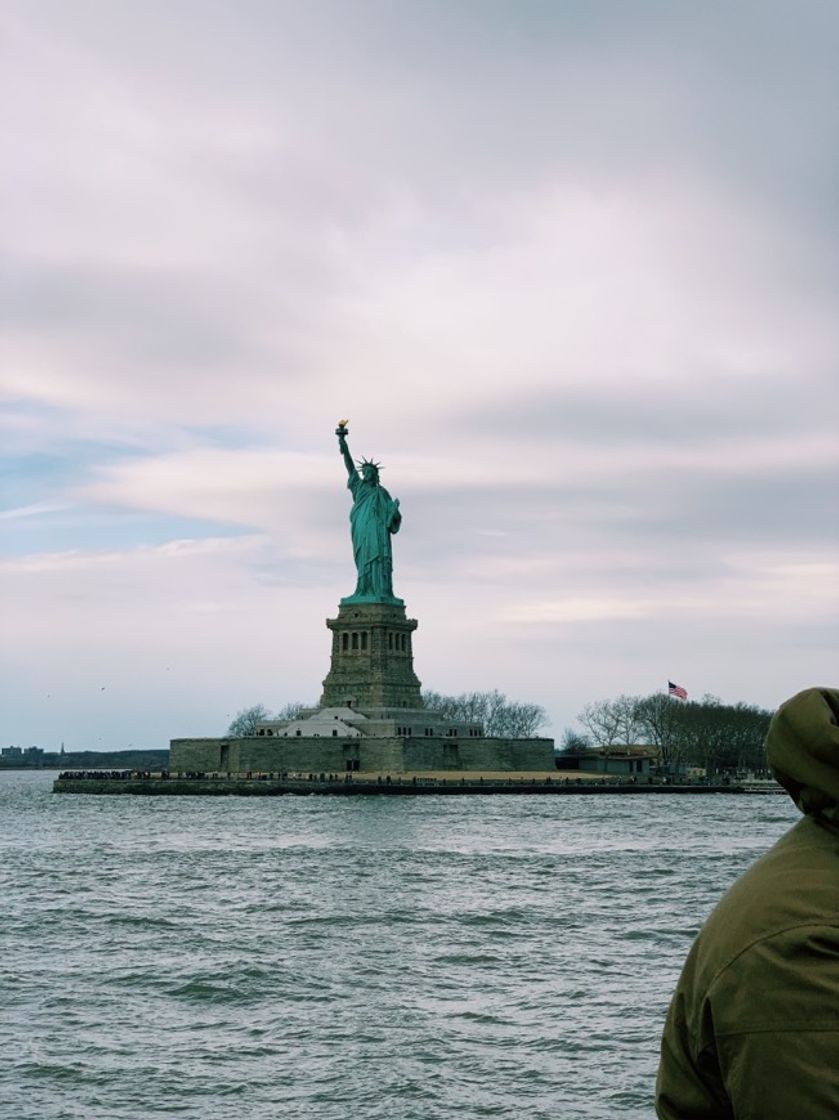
{"x":396,"y":787}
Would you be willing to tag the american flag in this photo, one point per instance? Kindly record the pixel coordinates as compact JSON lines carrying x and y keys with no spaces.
{"x":677,"y":690}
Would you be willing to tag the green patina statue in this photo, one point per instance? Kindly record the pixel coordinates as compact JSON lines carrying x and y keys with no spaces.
{"x":374,"y":518}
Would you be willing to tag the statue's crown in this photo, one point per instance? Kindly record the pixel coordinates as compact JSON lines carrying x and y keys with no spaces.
{"x":362,"y":463}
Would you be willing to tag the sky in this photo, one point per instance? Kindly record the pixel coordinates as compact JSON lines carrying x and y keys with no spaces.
{"x":569,"y":269}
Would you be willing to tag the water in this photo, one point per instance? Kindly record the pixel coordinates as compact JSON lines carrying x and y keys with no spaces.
{"x":336,"y":958}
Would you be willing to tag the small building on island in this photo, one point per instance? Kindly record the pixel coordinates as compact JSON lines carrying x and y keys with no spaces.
{"x":628,"y":761}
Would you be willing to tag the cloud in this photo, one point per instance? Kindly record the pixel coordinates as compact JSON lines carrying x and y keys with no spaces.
{"x":36,"y":509}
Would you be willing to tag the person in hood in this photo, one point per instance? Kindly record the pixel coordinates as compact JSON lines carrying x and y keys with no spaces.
{"x":753,"y":1027}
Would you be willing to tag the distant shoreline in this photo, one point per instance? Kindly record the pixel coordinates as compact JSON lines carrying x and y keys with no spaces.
{"x":150,"y":759}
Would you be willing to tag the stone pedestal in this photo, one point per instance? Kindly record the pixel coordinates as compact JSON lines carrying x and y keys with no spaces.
{"x":372,"y":658}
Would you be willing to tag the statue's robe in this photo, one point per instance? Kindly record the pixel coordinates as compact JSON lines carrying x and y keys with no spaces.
{"x":374,"y":517}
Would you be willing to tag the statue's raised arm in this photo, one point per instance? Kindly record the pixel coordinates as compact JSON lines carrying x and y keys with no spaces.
{"x":374,"y":518}
{"x":341,"y":433}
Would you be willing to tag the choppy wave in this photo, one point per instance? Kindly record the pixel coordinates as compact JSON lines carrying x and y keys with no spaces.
{"x":329,"y":958}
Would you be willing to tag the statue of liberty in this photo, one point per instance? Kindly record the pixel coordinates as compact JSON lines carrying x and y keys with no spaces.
{"x":374,"y":518}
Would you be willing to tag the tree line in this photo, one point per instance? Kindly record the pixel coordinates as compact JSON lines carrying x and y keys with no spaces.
{"x":499,"y":716}
{"x":703,"y":732}
{"x":246,"y":721}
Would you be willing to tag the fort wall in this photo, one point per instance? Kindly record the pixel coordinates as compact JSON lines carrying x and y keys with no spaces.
{"x":374,"y":755}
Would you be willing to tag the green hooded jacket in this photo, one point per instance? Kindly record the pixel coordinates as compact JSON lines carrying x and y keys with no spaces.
{"x":753,"y":1028}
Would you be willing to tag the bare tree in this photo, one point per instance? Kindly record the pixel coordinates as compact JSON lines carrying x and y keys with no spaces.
{"x":603,"y":720}
{"x":516,"y":720}
{"x":659,"y":718}
{"x":574,"y":741}
{"x":292,"y":709}
{"x":630,"y":727}
{"x":244,"y":722}
{"x":506,"y":719}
